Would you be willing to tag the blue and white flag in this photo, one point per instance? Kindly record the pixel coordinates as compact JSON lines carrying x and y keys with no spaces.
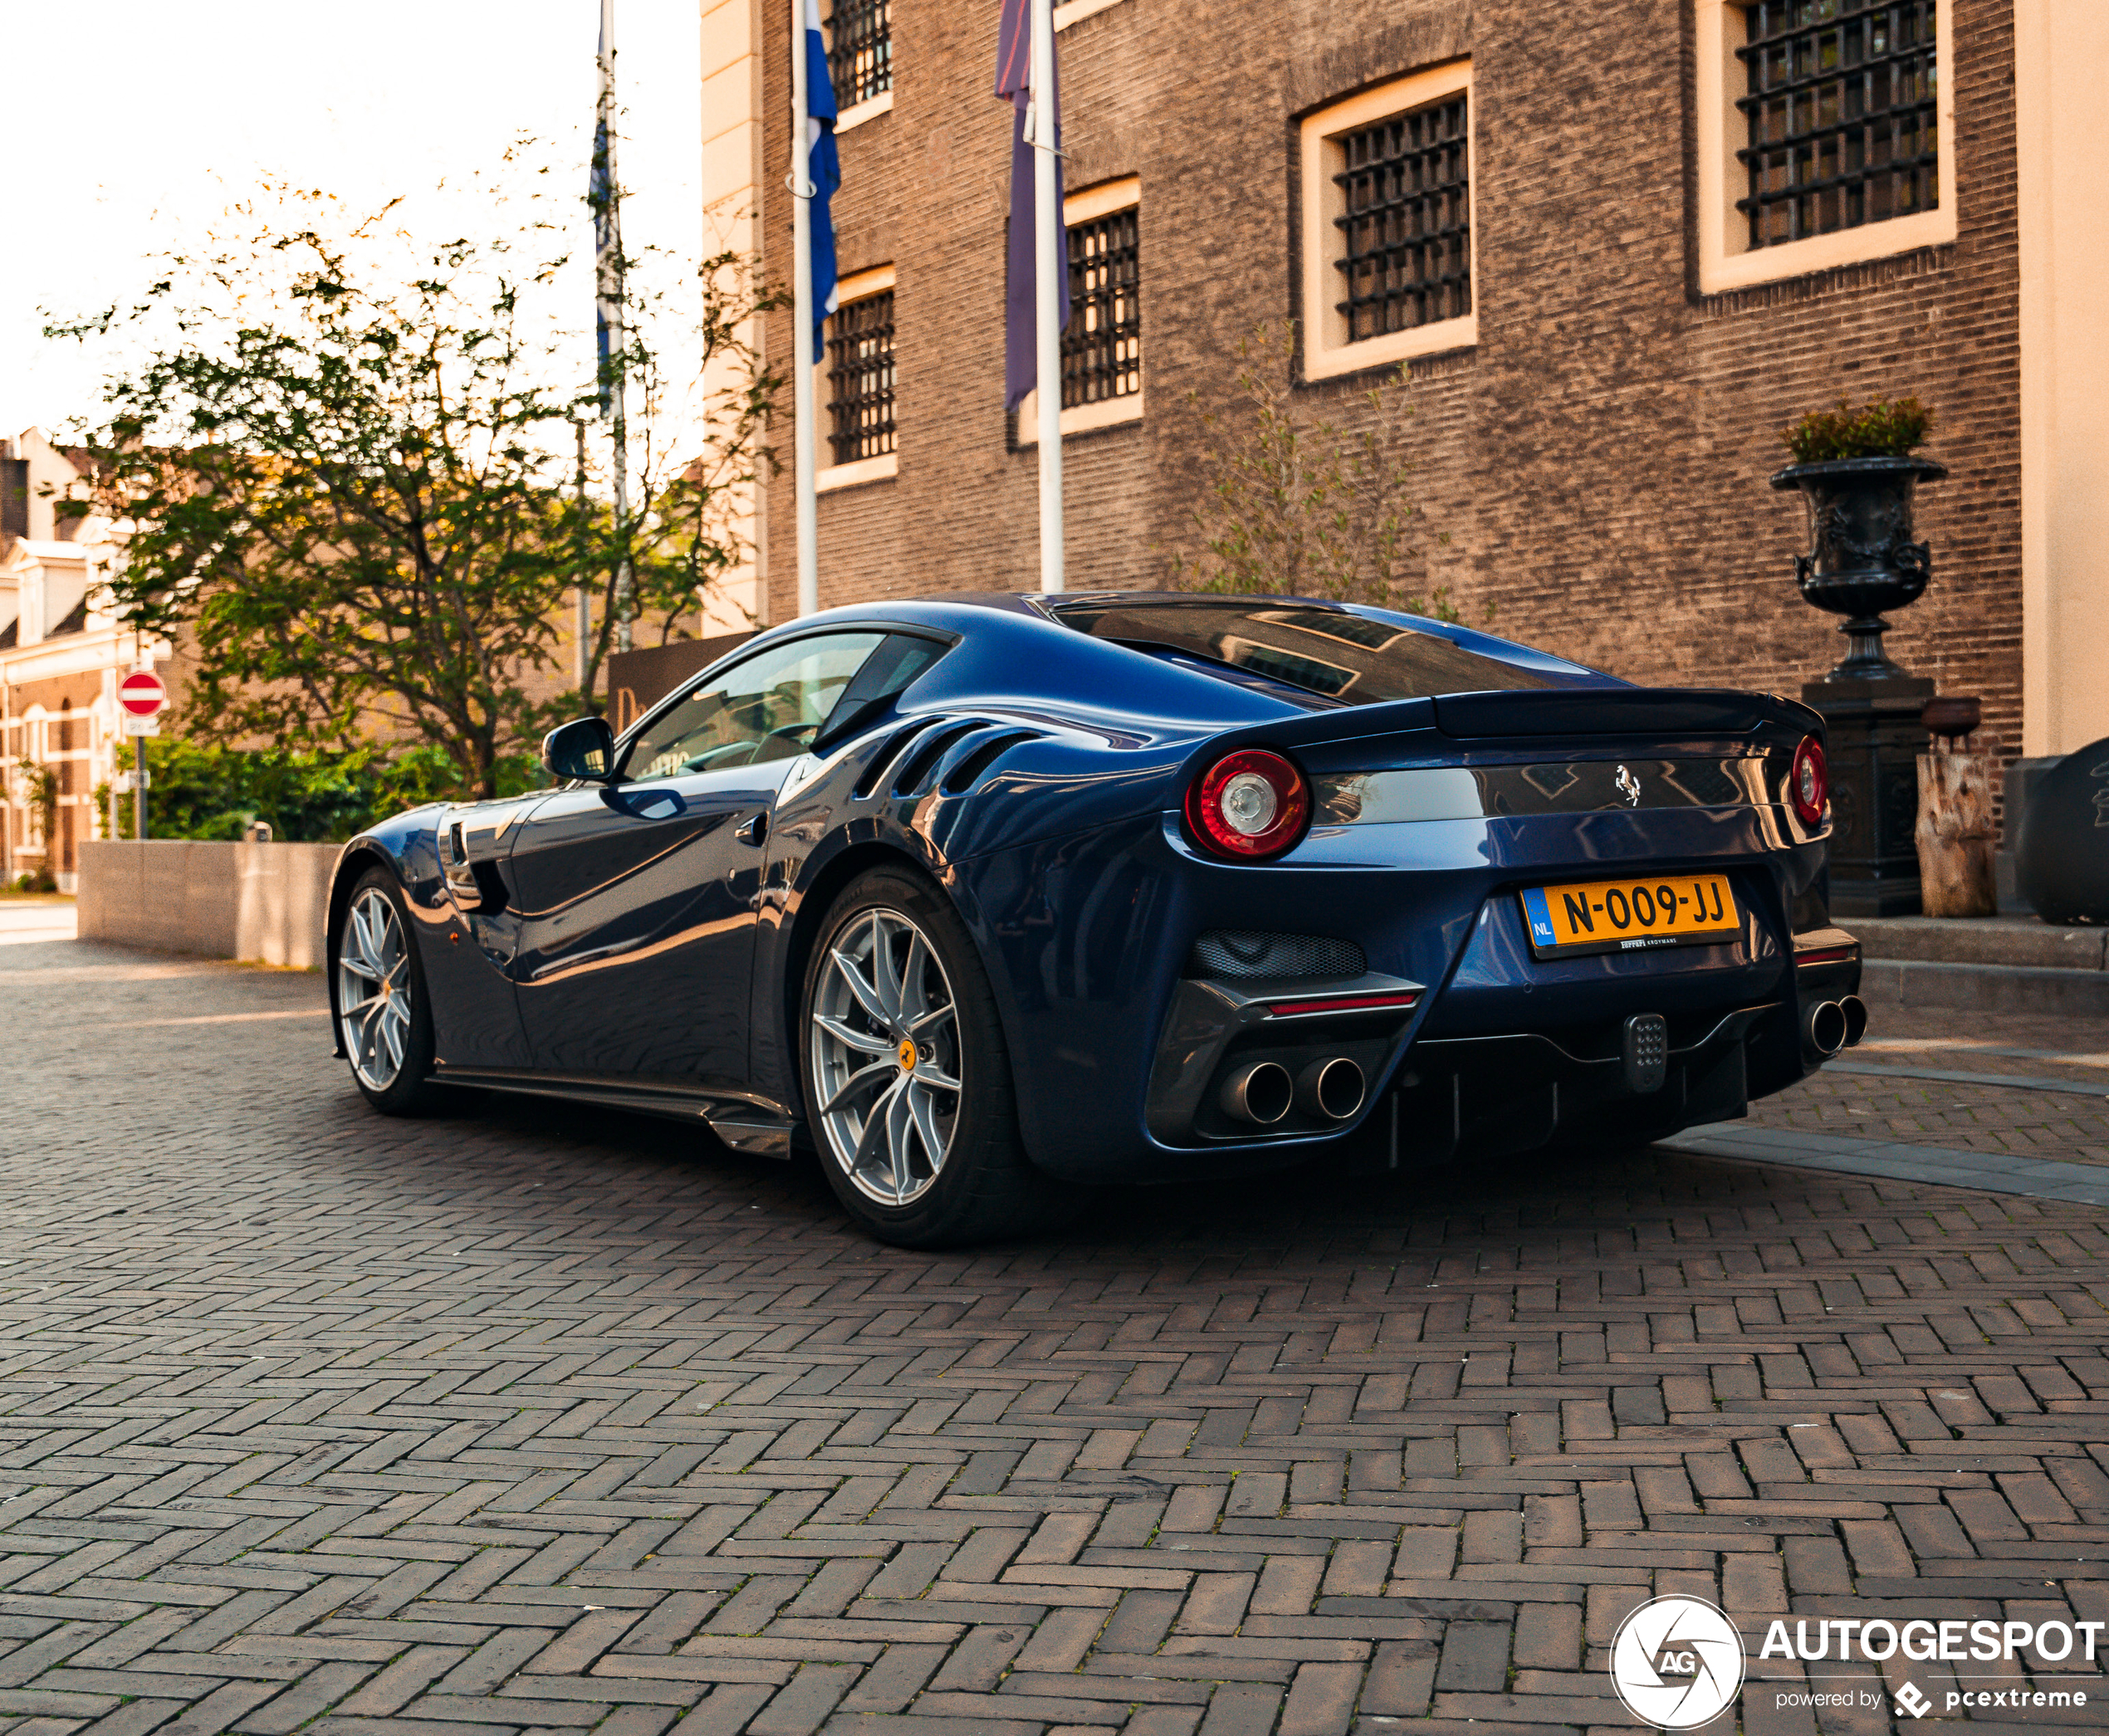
{"x":601,"y":197}
{"x":822,"y":168}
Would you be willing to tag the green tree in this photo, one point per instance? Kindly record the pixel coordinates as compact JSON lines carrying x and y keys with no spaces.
{"x":342,"y":459}
{"x":1296,"y":505}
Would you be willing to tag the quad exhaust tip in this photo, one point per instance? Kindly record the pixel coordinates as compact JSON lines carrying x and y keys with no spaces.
{"x":1332,"y":1089}
{"x":1827,"y":1025}
{"x":1856,"y":1019}
{"x":1260,"y":1092}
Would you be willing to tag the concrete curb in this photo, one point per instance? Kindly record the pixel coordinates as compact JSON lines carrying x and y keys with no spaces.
{"x":2039,"y":1178}
{"x":2081,"y":994}
{"x":2016,"y":941}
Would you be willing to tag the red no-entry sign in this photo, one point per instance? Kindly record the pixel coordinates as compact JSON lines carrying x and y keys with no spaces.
{"x":142,"y":694}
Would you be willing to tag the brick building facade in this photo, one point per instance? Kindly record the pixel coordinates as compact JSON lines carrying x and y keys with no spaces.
{"x":60,"y":659}
{"x":1592,"y":443}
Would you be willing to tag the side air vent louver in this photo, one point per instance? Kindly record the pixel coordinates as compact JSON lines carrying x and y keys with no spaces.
{"x":890,"y":753}
{"x":1238,"y":954}
{"x":966,"y":771}
{"x":917,"y":764}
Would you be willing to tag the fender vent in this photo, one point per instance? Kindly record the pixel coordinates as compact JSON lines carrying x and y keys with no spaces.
{"x":889,"y":752}
{"x":1237,"y":954}
{"x":917,"y":764}
{"x":966,"y":771}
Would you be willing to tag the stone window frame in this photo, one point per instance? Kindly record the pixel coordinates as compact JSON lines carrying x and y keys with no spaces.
{"x":1726,"y":259}
{"x":859,"y":286}
{"x":1327,"y":352}
{"x":1124,"y":193}
{"x":1075,"y":11}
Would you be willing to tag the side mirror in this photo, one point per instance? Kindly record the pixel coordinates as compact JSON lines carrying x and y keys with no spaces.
{"x":582,"y":748}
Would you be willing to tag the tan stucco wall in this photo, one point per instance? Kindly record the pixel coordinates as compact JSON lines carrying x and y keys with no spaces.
{"x":732,"y":207}
{"x":2061,"y":47}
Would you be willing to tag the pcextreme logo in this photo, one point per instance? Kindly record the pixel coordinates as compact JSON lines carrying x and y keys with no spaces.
{"x":1677,"y":1662}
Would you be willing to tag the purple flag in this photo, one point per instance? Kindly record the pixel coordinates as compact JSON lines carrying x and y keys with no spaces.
{"x":1021,"y":326}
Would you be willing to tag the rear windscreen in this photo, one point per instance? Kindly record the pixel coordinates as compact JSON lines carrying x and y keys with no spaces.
{"x":1350,"y":659}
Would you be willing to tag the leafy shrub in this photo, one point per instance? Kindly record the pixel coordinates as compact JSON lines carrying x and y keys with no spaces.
{"x":1886,"y":429}
{"x":209,"y":793}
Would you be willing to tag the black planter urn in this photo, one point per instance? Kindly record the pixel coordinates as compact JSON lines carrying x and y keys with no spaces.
{"x":1861,"y":558}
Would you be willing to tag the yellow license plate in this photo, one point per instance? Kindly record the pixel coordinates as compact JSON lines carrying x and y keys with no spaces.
{"x":1631,"y":916}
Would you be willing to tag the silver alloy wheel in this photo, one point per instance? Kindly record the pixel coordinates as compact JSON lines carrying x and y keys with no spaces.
{"x":886,"y":1056}
{"x":374,"y":989}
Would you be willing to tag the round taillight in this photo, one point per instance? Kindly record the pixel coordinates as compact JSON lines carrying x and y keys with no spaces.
{"x":1808,"y":782}
{"x":1249,"y":805}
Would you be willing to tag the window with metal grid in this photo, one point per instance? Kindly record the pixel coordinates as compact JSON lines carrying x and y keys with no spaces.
{"x":860,"y":50}
{"x":1102,"y":345}
{"x":1407,"y":224}
{"x":1841,"y":114}
{"x":860,"y":378}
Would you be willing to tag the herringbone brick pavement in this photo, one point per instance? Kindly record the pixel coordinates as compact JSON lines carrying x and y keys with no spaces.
{"x":538,"y":1419}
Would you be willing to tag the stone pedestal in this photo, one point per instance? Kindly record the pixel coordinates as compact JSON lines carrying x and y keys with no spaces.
{"x":1872,"y":740}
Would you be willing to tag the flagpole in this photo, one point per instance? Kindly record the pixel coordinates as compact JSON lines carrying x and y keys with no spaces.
{"x":1051,"y":265}
{"x":607,"y":271}
{"x":802,"y":432}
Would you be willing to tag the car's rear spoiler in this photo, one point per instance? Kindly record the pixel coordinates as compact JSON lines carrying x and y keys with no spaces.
{"x":1617,"y":712}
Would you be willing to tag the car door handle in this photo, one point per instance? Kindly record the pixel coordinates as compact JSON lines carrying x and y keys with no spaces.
{"x":753,"y":831}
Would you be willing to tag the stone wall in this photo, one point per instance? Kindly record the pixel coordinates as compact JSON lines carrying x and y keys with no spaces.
{"x":264,"y":903}
{"x":1592,"y":471}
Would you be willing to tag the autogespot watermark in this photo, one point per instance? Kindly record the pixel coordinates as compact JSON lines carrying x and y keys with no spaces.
{"x":1678,"y":1662}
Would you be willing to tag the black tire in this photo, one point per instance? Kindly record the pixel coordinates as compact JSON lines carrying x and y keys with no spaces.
{"x":408,"y":1089}
{"x":985,"y":1187}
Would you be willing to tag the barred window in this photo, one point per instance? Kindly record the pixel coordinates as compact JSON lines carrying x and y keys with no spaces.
{"x":860,"y":378}
{"x":1840,"y":114}
{"x":1406,"y":222}
{"x":1102,"y":345}
{"x":860,"y":50}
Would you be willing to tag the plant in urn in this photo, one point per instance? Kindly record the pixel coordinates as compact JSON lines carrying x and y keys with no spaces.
{"x":1856,"y":472}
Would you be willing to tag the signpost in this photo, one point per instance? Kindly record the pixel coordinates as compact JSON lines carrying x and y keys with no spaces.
{"x":141,"y":697}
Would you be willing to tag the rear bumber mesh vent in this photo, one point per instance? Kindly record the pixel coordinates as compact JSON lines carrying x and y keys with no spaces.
{"x":1238,"y":953}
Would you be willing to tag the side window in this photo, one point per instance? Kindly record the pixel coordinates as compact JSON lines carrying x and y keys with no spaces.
{"x":885,"y":677}
{"x":769,"y":707}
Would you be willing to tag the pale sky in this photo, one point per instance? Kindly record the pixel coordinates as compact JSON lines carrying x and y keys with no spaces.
{"x":130,"y":125}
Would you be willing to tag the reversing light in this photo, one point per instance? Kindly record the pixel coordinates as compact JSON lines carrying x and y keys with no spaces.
{"x":1808,"y":782}
{"x":1249,"y":805}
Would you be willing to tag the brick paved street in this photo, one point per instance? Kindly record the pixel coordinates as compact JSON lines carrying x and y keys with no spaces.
{"x":544,"y":1420}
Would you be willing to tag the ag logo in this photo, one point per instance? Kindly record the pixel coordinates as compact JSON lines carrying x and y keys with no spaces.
{"x":1677,"y":1662}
